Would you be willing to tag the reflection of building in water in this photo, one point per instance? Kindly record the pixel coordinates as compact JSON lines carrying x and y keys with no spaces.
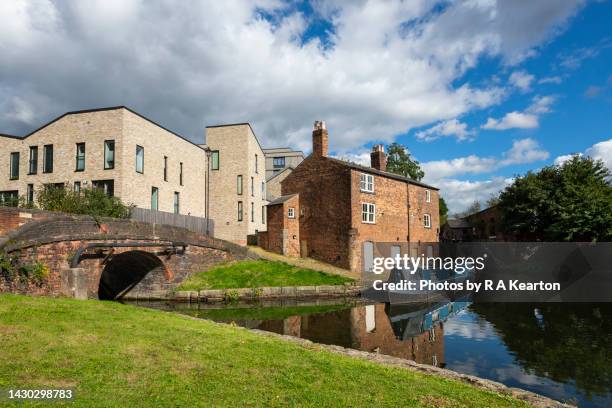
{"x":365,"y":328}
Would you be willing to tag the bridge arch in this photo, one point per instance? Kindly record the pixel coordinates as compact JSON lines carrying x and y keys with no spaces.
{"x":126,"y":270}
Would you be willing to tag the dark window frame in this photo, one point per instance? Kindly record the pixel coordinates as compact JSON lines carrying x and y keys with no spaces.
{"x":240,"y":211}
{"x":165,"y":168}
{"x":13,"y":176}
{"x":112,"y":166}
{"x":181,"y":173}
{"x":155,"y":193}
{"x":177,"y":203}
{"x":84,"y":156}
{"x":47,"y":164}
{"x":275,"y":165}
{"x":33,"y":160}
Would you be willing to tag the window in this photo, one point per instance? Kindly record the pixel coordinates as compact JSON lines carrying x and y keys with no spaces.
{"x":177,"y":204}
{"x":30,"y":194}
{"x":252,"y":187}
{"x":252,"y":212}
{"x":428,"y":196}
{"x":291,"y":212}
{"x":154,"y":198}
{"x":263,"y":190}
{"x":14,"y":175}
{"x":239,"y":184}
{"x":240,"y":211}
{"x":214,"y":160}
{"x":33,"y":164}
{"x":108,"y":186}
{"x":278,"y":162}
{"x":109,"y":154}
{"x":427,"y":220}
{"x":256,"y":164}
{"x":367,"y":183}
{"x":139,"y":159}
{"x":48,"y":159}
{"x":9,"y":198}
{"x":263,"y":214}
{"x":80,"y":157}
{"x":165,"y":168}
{"x":77,"y":187}
{"x":368,"y":213}
{"x":181,"y":173}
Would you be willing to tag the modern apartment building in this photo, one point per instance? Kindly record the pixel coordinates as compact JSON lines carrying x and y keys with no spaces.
{"x":117,"y":149}
{"x":336,"y":211}
{"x":280,"y":162}
{"x":237,"y":187}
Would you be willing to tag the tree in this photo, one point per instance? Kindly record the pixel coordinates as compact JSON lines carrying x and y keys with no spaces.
{"x":570,"y":202}
{"x":400,"y":162}
{"x":473,"y":208}
{"x":90,"y":201}
{"x":443,"y":211}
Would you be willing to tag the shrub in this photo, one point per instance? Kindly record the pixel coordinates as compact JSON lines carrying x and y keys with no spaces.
{"x":89,"y":201}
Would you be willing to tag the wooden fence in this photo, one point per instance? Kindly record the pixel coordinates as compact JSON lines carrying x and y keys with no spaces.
{"x":196,"y":224}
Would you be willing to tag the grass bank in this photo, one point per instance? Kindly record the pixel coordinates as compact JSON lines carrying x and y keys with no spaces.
{"x":117,"y":355}
{"x":257,"y":274}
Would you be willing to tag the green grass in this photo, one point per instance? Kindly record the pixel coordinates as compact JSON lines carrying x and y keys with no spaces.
{"x":117,"y":355}
{"x":256,"y":274}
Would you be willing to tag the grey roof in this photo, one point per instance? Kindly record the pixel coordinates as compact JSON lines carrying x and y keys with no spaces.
{"x":380,"y":173}
{"x":281,"y":199}
{"x":459,"y":223}
{"x":279,"y":173}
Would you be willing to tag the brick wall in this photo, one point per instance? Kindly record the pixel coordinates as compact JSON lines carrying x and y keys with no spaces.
{"x":325,"y":210}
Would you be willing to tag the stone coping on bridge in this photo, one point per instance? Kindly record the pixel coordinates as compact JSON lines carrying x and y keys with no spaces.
{"x":263,"y":293}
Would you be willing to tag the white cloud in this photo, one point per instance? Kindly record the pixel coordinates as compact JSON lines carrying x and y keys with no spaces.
{"x":459,"y":194}
{"x":386,"y":67}
{"x":551,"y":80}
{"x":522,"y":151}
{"x":529,"y":119}
{"x":599,"y":151}
{"x":362,"y":158}
{"x":453,"y":128}
{"x":521,"y":80}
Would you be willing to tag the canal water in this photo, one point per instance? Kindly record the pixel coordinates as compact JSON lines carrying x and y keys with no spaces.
{"x":563,"y":351}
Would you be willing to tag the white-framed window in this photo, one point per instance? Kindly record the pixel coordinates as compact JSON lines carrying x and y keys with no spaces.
{"x":291,"y":212}
{"x":368,"y":213}
{"x":427,"y":220}
{"x":427,"y":196}
{"x":366,"y":183}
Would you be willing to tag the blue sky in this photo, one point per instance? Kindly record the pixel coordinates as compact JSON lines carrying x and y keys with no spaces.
{"x":478,"y":90}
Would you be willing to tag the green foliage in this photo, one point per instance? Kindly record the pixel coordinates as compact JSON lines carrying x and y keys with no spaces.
{"x":571,"y":202}
{"x":261,"y":273}
{"x":36,"y":272}
{"x":89,"y":201}
{"x":443,"y":208}
{"x":400,"y":162}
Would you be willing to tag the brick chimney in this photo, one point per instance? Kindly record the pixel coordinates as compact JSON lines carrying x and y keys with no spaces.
{"x":378,"y":159}
{"x":320,"y":139}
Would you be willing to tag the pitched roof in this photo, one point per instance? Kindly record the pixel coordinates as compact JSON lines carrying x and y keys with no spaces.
{"x":380,"y":173}
{"x":458,"y":223}
{"x":100,"y":110}
{"x":279,"y":173}
{"x":281,"y":199}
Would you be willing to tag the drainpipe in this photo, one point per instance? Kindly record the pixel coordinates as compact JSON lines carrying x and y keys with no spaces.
{"x":208,"y":153}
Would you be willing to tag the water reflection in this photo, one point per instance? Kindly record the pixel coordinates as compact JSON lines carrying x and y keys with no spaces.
{"x":563,"y":351}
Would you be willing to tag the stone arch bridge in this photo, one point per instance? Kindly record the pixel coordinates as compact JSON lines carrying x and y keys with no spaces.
{"x":107,"y":258}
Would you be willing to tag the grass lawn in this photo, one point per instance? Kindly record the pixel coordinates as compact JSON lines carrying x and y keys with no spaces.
{"x":117,"y":355}
{"x":260,"y":273}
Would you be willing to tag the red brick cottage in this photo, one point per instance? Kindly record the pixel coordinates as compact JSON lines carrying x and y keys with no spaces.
{"x":334,"y":211}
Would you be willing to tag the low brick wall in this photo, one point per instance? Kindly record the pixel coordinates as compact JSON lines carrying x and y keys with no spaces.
{"x":249,"y":294}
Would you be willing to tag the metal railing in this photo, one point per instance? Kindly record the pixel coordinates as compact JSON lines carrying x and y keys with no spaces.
{"x":195,"y":224}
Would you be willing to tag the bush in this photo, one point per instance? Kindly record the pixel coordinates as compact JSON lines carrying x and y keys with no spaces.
{"x":90,"y":201}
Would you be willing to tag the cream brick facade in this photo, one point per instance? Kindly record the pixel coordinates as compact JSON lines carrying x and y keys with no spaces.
{"x":240,"y":154}
{"x":127,"y":129}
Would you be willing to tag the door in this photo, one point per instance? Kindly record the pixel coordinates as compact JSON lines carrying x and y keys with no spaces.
{"x":395,"y":251}
{"x":368,"y":256}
